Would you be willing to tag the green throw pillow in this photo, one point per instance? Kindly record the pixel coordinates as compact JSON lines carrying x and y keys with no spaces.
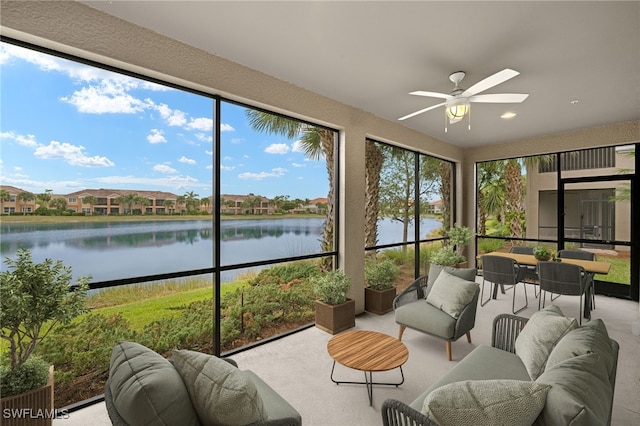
{"x":580,"y":392}
{"x":539,"y":336}
{"x":221,"y":394}
{"x":468,"y":274}
{"x":451,"y":294}
{"x":486,"y":402}
{"x":147,"y":389}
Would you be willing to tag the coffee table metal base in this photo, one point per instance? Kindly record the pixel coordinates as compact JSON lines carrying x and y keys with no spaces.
{"x":368,"y":381}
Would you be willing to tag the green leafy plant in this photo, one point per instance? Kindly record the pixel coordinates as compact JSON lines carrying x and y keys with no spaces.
{"x":451,"y":253}
{"x":35,"y":298}
{"x":380,"y":275}
{"x":331,"y":287}
{"x":32,"y":374}
{"x":542,"y":253}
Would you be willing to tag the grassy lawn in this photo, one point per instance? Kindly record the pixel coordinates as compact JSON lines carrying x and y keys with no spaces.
{"x":142,"y":304}
{"x":619,"y":272}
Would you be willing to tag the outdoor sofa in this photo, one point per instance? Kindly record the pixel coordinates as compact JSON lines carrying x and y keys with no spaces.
{"x":192,"y":389}
{"x":546,"y":370}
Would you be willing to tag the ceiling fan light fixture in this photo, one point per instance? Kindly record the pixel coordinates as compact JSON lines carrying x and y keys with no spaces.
{"x":456,"y":112}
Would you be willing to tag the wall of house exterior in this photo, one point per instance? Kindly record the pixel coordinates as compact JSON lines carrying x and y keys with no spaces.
{"x":77,"y":29}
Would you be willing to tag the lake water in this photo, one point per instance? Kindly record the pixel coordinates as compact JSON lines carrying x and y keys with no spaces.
{"x":112,"y":250}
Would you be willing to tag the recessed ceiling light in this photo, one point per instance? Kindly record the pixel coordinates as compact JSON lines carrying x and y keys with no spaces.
{"x":575,"y":101}
{"x":508,"y":115}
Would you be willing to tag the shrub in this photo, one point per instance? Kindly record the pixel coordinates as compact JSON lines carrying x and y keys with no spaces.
{"x":331,"y":287}
{"x":32,"y":374}
{"x":283,"y":274}
{"x":487,"y":245}
{"x":380,"y":275}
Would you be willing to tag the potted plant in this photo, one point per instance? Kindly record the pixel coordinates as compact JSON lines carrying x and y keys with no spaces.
{"x":334,"y":311}
{"x":380,"y":290}
{"x":451,"y":253}
{"x":542,"y":253}
{"x":34,"y":298}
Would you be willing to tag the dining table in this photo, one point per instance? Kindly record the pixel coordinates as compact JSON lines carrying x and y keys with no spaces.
{"x":590,"y":267}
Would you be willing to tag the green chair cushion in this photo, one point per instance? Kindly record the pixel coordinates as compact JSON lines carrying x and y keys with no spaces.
{"x":221,"y":393}
{"x":451,"y":294}
{"x":538,"y":338}
{"x":147,"y":389}
{"x":486,"y":402}
{"x":423,"y":316}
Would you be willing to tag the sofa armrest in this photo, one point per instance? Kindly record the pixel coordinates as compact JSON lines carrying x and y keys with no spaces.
{"x":396,"y":413}
{"x":412,"y":293}
{"x":506,"y":328}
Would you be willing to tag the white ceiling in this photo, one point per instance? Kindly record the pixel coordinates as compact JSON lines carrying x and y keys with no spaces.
{"x":371,"y":54}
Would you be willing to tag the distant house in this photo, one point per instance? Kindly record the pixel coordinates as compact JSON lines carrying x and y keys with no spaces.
{"x":435,"y":207}
{"x":245,"y":204}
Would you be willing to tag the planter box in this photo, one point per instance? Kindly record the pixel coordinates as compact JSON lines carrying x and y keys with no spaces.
{"x":33,"y":408}
{"x":379,"y":301}
{"x":336,"y":318}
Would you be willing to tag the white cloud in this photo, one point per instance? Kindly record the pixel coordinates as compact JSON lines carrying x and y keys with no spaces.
{"x":108,"y":97}
{"x":26,"y":140}
{"x":156,"y":136}
{"x":298,"y":165}
{"x":186,"y":160}
{"x":208,"y":152}
{"x":226,"y":127}
{"x":171,"y":116}
{"x":226,"y":168}
{"x":277,"y":148}
{"x":277,"y":172}
{"x":177,"y":183}
{"x":72,"y":154}
{"x":204,"y":138}
{"x":163,"y":168}
{"x":202,"y":123}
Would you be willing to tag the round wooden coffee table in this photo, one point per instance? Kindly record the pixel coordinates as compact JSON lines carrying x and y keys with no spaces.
{"x":367,"y":351}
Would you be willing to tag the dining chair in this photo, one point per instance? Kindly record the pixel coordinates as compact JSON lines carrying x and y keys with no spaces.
{"x":500,"y":270}
{"x":528,"y":273}
{"x":582,"y":255}
{"x":562,"y":278}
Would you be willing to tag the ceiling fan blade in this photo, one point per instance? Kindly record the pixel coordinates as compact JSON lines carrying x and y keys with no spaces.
{"x":500,"y":98}
{"x":421,"y":111}
{"x":431,"y":94}
{"x":489,"y":82}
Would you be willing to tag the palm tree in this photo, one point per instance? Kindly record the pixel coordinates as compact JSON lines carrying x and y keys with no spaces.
{"x":91,"y":200}
{"x":181,"y":201}
{"x":168,"y":204}
{"x":4,"y":197}
{"x":491,"y":192}
{"x":191,"y":201}
{"x":60,"y":204}
{"x":316,"y":143}
{"x":127,"y":201}
{"x":43,"y":199}
{"x":206,"y":202}
{"x":374,"y":159}
{"x":25,"y":197}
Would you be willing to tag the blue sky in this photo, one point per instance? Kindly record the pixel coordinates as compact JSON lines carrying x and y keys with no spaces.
{"x":66,"y":126}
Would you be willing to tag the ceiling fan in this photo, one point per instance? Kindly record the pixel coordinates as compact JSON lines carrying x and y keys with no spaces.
{"x":457,"y":103}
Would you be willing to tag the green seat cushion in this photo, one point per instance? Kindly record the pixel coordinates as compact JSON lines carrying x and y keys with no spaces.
{"x":539,"y":336}
{"x":451,"y":294}
{"x":589,"y":338}
{"x":580,"y":392}
{"x":486,"y":403}
{"x":496,"y":364}
{"x":426,"y":318}
{"x":220,"y":392}
{"x":147,"y":389}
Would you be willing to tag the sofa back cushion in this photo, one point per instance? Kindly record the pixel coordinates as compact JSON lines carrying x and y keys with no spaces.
{"x":589,"y":338}
{"x":580,"y":392}
{"x":451,"y":294}
{"x":539,"y":336}
{"x":221,"y":393}
{"x":147,"y":389}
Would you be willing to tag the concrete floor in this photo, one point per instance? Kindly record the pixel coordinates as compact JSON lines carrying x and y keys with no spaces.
{"x":298,"y":366}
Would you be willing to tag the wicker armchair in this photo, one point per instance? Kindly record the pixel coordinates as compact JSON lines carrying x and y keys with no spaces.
{"x":411,"y":310}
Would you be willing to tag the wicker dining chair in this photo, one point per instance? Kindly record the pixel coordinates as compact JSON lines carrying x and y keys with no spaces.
{"x":562,"y":278}
{"x":582,"y":255}
{"x":500,"y":270}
